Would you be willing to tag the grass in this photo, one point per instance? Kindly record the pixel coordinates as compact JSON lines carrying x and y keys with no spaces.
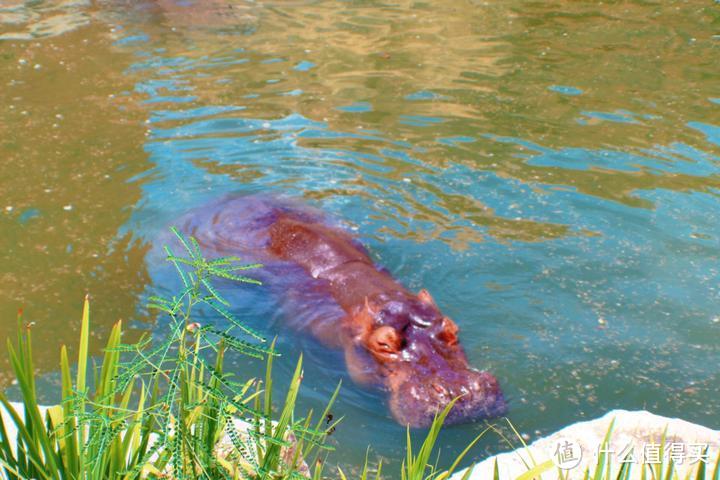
{"x":159,"y":409}
{"x":168,"y":409}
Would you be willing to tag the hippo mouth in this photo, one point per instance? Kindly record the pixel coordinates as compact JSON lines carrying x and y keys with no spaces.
{"x":416,"y":400}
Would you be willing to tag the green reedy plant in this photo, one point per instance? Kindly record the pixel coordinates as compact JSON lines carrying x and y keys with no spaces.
{"x":418,"y":466}
{"x":159,"y":409}
{"x":87,"y":436}
{"x":202,"y":400}
{"x":297,"y":439}
{"x":198,"y":395}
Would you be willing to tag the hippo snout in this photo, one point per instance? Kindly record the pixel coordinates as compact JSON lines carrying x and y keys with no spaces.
{"x":416,"y":401}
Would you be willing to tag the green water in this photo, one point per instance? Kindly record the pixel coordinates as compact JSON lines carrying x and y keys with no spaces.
{"x":548,"y":170}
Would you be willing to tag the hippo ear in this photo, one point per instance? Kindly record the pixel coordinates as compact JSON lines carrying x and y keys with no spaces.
{"x":364,"y":321}
{"x":370,"y":307}
{"x":425,"y":297}
{"x":448,"y":331}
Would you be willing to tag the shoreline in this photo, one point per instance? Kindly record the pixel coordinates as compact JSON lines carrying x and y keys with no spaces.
{"x":636,"y":436}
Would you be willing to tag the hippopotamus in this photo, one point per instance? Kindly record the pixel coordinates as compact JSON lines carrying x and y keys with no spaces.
{"x":392,"y":338}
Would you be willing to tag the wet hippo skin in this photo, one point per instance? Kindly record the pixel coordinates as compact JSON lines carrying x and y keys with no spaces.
{"x":392,"y":338}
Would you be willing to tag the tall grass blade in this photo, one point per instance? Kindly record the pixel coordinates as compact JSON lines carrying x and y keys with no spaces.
{"x":536,"y":471}
{"x":603,"y":461}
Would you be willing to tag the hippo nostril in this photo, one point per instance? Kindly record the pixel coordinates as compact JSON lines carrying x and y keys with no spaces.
{"x":439,"y":389}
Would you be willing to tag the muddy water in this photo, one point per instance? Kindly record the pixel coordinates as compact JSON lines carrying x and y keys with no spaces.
{"x":548,"y":170}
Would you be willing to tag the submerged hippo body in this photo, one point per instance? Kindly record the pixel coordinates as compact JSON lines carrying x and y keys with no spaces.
{"x":391,"y":338}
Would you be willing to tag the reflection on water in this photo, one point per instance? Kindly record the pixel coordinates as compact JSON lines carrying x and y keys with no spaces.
{"x":549,"y":171}
{"x":69,"y":143}
{"x":28,"y":20}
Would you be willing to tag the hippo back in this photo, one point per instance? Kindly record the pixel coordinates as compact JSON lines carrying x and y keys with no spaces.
{"x":240,"y":226}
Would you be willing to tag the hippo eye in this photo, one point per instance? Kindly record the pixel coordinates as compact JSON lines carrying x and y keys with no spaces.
{"x":385,"y":339}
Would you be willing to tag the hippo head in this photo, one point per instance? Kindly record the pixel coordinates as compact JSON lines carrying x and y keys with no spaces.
{"x":414,"y":350}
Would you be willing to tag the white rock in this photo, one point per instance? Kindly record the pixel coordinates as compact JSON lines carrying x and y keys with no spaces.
{"x":637,"y":431}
